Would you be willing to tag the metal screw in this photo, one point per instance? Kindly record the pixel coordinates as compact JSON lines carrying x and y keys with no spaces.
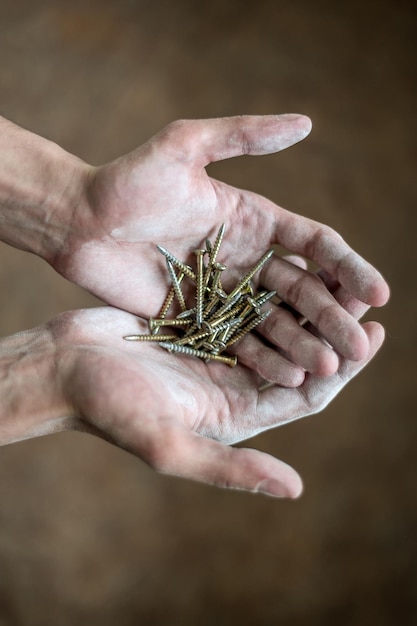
{"x":155,"y":324}
{"x":188,"y":271}
{"x":245,"y":280}
{"x":200,"y":252}
{"x":176,"y":286}
{"x":216,"y":246}
{"x":158,"y":338}
{"x":170,"y":298}
{"x":219,"y":319}
{"x":201,"y":354}
{"x":250,"y":325}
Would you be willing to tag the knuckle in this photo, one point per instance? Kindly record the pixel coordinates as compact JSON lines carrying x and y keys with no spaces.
{"x":324,"y":238}
{"x":178,"y":138}
{"x":175,"y":131}
{"x":304,"y":284}
{"x":327,"y":317}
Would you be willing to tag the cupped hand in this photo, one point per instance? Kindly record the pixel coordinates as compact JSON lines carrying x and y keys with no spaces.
{"x":162,"y":194}
{"x":179,"y":414}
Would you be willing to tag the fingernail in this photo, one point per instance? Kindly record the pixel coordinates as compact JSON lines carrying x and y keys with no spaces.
{"x":290,"y":117}
{"x":294,"y":117}
{"x":272,"y":487}
{"x":299,"y":127}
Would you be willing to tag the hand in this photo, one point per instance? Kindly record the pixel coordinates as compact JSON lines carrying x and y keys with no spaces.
{"x":161,"y":194}
{"x":177,"y":413}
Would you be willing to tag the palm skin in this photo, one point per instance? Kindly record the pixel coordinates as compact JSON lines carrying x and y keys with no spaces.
{"x":161,"y":194}
{"x":177,"y":413}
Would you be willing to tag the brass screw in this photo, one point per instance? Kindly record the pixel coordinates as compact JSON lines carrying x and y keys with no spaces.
{"x":245,"y":280}
{"x":158,"y":338}
{"x":200,"y":252}
{"x":176,"y":286}
{"x":218,"y":319}
{"x":227,"y":305}
{"x":155,"y":324}
{"x":250,"y":325}
{"x":188,"y":271}
{"x":216,"y":246}
{"x":264,"y":296}
{"x":201,"y":354}
{"x":215,"y":276}
{"x":208,"y":330}
{"x":170,"y":298}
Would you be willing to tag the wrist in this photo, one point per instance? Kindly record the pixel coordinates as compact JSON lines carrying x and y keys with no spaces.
{"x":32,"y":402}
{"x":41,"y":185}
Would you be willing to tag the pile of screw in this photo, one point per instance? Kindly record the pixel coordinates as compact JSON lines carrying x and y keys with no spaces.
{"x":219,"y":319}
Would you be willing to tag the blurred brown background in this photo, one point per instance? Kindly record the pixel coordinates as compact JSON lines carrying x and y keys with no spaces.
{"x":88,"y":534}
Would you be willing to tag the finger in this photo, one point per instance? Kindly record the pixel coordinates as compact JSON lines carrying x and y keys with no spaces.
{"x":266,"y":361}
{"x":296,"y":260}
{"x":356,"y":308}
{"x":277,"y":406}
{"x":206,"y":141}
{"x":298,"y":343}
{"x":299,"y":349}
{"x":307,"y":294}
{"x":185,"y":454}
{"x":325,"y":247}
{"x":303,"y":352}
{"x":352,"y":305}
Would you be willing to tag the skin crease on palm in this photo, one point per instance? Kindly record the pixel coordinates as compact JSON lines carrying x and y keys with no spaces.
{"x":175,"y":412}
{"x":186,"y":429}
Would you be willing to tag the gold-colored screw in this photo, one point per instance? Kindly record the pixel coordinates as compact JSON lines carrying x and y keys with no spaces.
{"x":229,"y":303}
{"x":188,"y":271}
{"x":170,"y":298}
{"x":156,"y":323}
{"x":250,"y":325}
{"x":264,"y":296}
{"x":215,"y":276}
{"x":207,"y":331}
{"x":200,"y":252}
{"x":201,"y":354}
{"x":158,"y":338}
{"x":245,"y":280}
{"x":216,"y":246}
{"x":218,"y":319}
{"x":176,"y":286}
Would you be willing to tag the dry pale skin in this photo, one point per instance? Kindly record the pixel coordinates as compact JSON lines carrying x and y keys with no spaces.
{"x":98,"y":226}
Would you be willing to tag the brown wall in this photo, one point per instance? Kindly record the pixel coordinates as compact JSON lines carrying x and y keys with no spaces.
{"x":88,"y":534}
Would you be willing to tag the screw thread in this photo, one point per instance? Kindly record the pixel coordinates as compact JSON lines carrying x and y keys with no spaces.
{"x":256,"y":268}
{"x":170,"y":298}
{"x":158,"y":338}
{"x":176,"y":286}
{"x":201,"y":354}
{"x":250,"y":325}
{"x":155,"y":324}
{"x":200,"y":286}
{"x":188,"y":271}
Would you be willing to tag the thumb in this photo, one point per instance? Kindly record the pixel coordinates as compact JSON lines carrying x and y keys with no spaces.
{"x":207,"y":141}
{"x":185,"y":454}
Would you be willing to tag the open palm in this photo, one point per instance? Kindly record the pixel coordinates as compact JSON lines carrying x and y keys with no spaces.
{"x":161,"y":194}
{"x":179,"y":414}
